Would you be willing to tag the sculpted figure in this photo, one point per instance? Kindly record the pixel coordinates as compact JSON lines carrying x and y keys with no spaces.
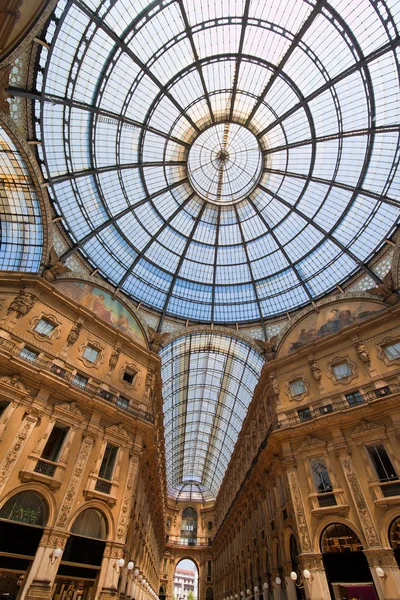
{"x":362,"y":352}
{"x":56,"y":267}
{"x":386,"y":290}
{"x":315,"y":370}
{"x":267,"y":347}
{"x":22,"y":303}
{"x":274,"y":385}
{"x":74,"y":334}
{"x":112,"y":363}
{"x":156,"y":339}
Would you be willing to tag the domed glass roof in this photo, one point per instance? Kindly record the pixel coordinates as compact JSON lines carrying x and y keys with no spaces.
{"x":222,"y":161}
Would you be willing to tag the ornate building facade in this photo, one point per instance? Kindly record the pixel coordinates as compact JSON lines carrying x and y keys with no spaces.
{"x":199,"y":361}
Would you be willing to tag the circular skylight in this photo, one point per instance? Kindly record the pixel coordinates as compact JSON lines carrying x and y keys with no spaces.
{"x":224,"y":163}
{"x":133,"y":104}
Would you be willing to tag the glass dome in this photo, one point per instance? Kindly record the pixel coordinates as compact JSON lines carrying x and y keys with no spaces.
{"x":222,"y":161}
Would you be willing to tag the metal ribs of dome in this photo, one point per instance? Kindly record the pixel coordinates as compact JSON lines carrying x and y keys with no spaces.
{"x":121,"y":99}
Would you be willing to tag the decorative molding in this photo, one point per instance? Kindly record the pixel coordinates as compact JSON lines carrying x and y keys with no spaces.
{"x":311,"y":442}
{"x":337,"y":361}
{"x":14,"y":382}
{"x":298,"y":506}
{"x":118,"y":434}
{"x":288,"y":387}
{"x":365,"y":429}
{"x":100,"y":358}
{"x":54,"y":335}
{"x":381,"y":354}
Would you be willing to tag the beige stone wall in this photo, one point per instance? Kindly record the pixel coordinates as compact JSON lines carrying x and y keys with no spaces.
{"x":37,"y":394}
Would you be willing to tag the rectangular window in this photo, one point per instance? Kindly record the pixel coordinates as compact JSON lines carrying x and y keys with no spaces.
{"x":382,"y":463}
{"x":108,"y":462}
{"x":304,"y":415}
{"x":297,"y":387}
{"x":342,"y":370}
{"x":29,"y":355}
{"x":320,"y":475}
{"x":51,"y":451}
{"x":392,"y":351}
{"x":45,"y":327}
{"x":128,"y":376}
{"x":80,"y":381}
{"x":354,"y":399}
{"x":91,"y":354}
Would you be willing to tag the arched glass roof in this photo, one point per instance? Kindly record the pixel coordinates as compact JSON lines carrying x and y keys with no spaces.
{"x":223,"y":161}
{"x":208,"y":383}
{"x":21,"y":228}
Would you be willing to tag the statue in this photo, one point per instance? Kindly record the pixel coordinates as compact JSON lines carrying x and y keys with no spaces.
{"x":362,"y":352}
{"x":273,"y":385}
{"x":74,"y":334}
{"x":112,"y":363}
{"x":56,"y":267}
{"x":315,"y":370}
{"x":156,"y":339}
{"x":22,"y":303}
{"x":386,"y":290}
{"x":267,"y":347}
{"x":149,"y":384}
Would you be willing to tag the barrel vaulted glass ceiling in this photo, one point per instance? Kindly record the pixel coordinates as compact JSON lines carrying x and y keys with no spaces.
{"x":208,"y":383}
{"x":222,"y":161}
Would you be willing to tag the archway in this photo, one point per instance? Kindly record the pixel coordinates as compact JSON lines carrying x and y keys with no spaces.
{"x":348,"y":576}
{"x":22,"y":519}
{"x":186,"y":580}
{"x":162,"y":593}
{"x":81,"y":560}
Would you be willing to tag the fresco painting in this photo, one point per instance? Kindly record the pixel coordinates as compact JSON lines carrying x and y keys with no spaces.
{"x":104,"y":306}
{"x":330,"y":319}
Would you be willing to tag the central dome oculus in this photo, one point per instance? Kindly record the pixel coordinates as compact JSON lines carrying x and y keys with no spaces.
{"x":225,"y":163}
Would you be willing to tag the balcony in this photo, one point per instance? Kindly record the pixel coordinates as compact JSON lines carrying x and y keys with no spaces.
{"x":387,"y":390}
{"x":76,"y":382}
{"x":172,"y":540}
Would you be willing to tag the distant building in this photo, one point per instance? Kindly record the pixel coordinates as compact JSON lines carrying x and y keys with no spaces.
{"x":185,"y":581}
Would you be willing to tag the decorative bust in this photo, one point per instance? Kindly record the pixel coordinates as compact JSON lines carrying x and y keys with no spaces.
{"x":362,"y":352}
{"x":74,"y":334}
{"x":315,"y":370}
{"x":112,"y":363}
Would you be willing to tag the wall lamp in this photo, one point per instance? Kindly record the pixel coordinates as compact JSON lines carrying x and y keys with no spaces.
{"x":55,"y":554}
{"x":119,"y":564}
{"x":278,"y":581}
{"x":265,"y":586}
{"x":380,"y":572}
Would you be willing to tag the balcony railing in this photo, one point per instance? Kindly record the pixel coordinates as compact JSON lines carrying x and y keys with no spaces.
{"x":45,"y":467}
{"x":93,"y":390}
{"x":102,"y":485}
{"x":386,"y":390}
{"x":391,"y":489}
{"x":186,"y":541}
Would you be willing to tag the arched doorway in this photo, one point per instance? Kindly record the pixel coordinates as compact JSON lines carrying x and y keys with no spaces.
{"x":348,"y":576}
{"x":22,"y":519}
{"x":186,"y":580}
{"x":189,"y":527}
{"x":394,"y":538}
{"x":81,"y":560}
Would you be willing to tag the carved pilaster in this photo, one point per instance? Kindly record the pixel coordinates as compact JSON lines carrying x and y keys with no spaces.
{"x":359,"y":500}
{"x":128,"y":498}
{"x":87,"y":443}
{"x":298,"y":506}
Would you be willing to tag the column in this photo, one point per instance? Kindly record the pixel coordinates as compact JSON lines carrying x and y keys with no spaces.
{"x":316,"y":588}
{"x":388,"y":586}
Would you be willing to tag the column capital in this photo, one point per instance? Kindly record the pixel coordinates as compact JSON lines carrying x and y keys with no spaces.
{"x":380,"y":557}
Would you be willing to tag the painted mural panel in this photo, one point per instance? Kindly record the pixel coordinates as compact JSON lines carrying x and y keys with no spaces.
{"x":106,"y":308}
{"x":330,"y":319}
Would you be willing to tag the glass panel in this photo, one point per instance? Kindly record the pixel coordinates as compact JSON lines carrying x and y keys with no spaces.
{"x":392,"y":351}
{"x":90,"y":523}
{"x":45,"y":327}
{"x":108,"y":462}
{"x":90,"y":354}
{"x":25,"y":507}
{"x":297,"y":387}
{"x":342,"y":370}
{"x":220,"y":189}
{"x":320,"y":474}
{"x":382,"y":463}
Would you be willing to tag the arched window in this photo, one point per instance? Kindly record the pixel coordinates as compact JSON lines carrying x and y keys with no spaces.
{"x":339,"y":538}
{"x":189,"y":526}
{"x":26,"y":507}
{"x":90,"y":524}
{"x":209,"y":594}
